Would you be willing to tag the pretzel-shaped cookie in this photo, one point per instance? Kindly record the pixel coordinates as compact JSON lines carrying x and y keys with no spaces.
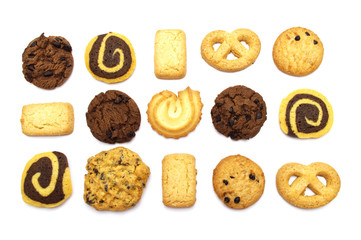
{"x":231,"y":43}
{"x":307,"y":178}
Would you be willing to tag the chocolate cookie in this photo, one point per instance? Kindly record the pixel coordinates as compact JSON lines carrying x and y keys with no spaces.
{"x":48,"y":61}
{"x":113,"y":117}
{"x":239,"y":112}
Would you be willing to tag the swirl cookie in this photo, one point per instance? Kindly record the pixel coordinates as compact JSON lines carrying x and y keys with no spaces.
{"x":48,"y":61}
{"x":113,"y":117}
{"x":305,"y":113}
{"x":115,"y":179}
{"x":238,"y":181}
{"x":307,"y":177}
{"x":298,"y":51}
{"x":172,"y":116}
{"x":239,"y":112}
{"x":110,"y":58}
{"x":231,"y":43}
{"x":46,"y":180}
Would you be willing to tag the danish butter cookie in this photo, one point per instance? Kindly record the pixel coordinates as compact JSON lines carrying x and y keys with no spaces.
{"x":110,"y":58}
{"x":231,"y":43}
{"x":179,"y":180}
{"x":238,"y":181}
{"x":239,"y":112}
{"x":172,"y":116}
{"x":170,"y":54}
{"x":46,"y":180}
{"x":47,"y":119}
{"x":307,"y":177}
{"x":48,"y":61}
{"x":305,"y":113}
{"x":113,"y":117}
{"x":298,"y":51}
{"x":115,"y":179}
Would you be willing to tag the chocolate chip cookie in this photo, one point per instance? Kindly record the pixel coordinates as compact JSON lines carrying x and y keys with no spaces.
{"x":48,"y":61}
{"x":113,"y":117}
{"x":238,"y":181}
{"x":239,"y":112}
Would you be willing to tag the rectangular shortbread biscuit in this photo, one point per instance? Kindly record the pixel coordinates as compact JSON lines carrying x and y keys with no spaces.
{"x":47,"y":119}
{"x":179,"y":180}
{"x":170,"y":54}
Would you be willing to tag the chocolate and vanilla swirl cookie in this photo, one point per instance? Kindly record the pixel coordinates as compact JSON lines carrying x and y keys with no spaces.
{"x":110,"y":57}
{"x":46,"y":180}
{"x":305,"y":113}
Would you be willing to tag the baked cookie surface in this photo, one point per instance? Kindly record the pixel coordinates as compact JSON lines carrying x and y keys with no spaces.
{"x":110,"y":58}
{"x":115,"y":179}
{"x":298,"y":51}
{"x":48,"y":61}
{"x":305,"y":113}
{"x":113,"y":117}
{"x":239,"y":112}
{"x":238,"y":181}
{"x":46,"y":180}
{"x":307,"y":177}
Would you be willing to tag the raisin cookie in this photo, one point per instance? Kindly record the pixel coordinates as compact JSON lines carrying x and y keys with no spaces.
{"x":298,"y":51}
{"x":239,"y":112}
{"x":48,"y":61}
{"x":46,"y":180}
{"x":113,"y":117}
{"x":115,"y":179}
{"x":238,"y":181}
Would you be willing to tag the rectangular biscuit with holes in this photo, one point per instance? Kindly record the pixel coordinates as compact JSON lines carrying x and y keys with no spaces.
{"x":170,"y":55}
{"x":47,"y":119}
{"x":179,"y":180}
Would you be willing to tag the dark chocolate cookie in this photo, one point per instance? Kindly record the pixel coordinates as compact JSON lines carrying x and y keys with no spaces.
{"x":239,"y":112}
{"x":48,"y":61}
{"x":113,"y":117}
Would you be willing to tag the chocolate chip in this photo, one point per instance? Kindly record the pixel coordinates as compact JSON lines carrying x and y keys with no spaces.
{"x":297,"y":38}
{"x":259,"y":115}
{"x":260,"y":107}
{"x":31,"y":67}
{"x":67,"y":47}
{"x":217,"y":118}
{"x":68,"y":64}
{"x":33,"y":44}
{"x":315,"y":42}
{"x":219,"y":104}
{"x":124,"y":98}
{"x":102,"y":176}
{"x":233,"y":135}
{"x":62,"y":58}
{"x":106,"y":188}
{"x":226,"y":199}
{"x":248,"y":117}
{"x":131,"y":134}
{"x":252,"y":176}
{"x":231,"y":109}
{"x":225,"y":182}
{"x":307,"y":33}
{"x":101,"y":201}
{"x":237,"y":200}
{"x":128,"y":187}
{"x":95,"y":171}
{"x":230,"y":122}
{"x":58,"y":39}
{"x":56,"y":44}
{"x":117,"y":101}
{"x":31,"y":55}
{"x":231,"y":177}
{"x":109,"y":134}
{"x":48,"y":73}
{"x":29,"y":75}
{"x":256,"y":101}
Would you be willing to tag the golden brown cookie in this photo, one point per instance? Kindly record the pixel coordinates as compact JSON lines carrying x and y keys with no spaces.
{"x":305,"y":113}
{"x":179,"y":180}
{"x":307,"y":177}
{"x":298,"y":51}
{"x":115,"y":179}
{"x":172,"y":116}
{"x":231,"y":43}
{"x":238,"y":181}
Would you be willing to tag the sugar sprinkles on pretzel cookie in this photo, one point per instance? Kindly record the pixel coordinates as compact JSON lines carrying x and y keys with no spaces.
{"x":231,"y":43}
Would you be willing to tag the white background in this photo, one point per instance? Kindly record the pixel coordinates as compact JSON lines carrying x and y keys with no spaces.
{"x":337,"y":23}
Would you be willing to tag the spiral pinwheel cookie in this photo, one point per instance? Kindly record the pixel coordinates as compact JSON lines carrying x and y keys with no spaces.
{"x":46,"y":180}
{"x":115,"y":179}
{"x":110,"y":57}
{"x":305,"y":113}
{"x":172,"y":116}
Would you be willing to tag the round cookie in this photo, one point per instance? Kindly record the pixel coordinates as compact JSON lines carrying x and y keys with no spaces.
{"x":238,"y":181}
{"x":48,"y":61}
{"x":239,"y":112}
{"x":110,"y":58}
{"x":113,"y":117}
{"x":305,"y":113}
{"x":115,"y":179}
{"x":298,"y":51}
{"x":46,"y":180}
